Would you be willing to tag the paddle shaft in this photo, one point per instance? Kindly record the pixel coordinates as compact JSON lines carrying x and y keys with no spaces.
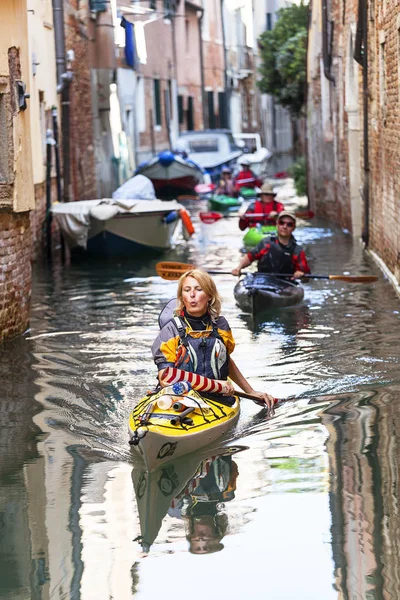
{"x":255,"y":399}
{"x":212,"y":216}
{"x":173,"y":270}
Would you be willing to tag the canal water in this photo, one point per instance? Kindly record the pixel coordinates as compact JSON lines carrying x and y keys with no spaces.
{"x":302,"y":505}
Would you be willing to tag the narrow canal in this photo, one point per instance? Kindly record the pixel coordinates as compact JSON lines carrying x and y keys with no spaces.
{"x":303,"y":505}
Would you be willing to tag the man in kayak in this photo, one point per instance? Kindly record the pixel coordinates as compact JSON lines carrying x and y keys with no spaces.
{"x":278,"y":253}
{"x":226,"y":186}
{"x":195,"y":345}
{"x":246,"y":177}
{"x":266,"y":207}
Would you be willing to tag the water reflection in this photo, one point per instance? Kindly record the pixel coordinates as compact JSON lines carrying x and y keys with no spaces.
{"x":192,"y":489}
{"x":315,"y":508}
{"x":364,"y":487}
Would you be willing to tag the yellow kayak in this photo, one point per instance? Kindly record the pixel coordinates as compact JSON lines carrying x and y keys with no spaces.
{"x":164,"y":426}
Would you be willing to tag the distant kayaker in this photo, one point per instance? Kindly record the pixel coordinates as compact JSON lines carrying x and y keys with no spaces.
{"x":195,"y":345}
{"x":266,"y":207}
{"x":278,"y":253}
{"x":226,"y":186}
{"x":246,"y":177}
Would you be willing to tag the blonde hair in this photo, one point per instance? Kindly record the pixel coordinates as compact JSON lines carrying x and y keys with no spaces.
{"x":208,"y":286}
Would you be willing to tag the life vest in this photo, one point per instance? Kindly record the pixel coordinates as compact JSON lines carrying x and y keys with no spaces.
{"x":205,"y":355}
{"x":277,"y":258}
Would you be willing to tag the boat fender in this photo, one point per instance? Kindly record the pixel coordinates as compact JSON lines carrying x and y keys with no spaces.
{"x":188,"y":229}
{"x":170,"y":217}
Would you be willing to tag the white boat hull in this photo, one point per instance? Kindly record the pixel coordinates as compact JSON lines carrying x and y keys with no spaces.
{"x":118,"y":227}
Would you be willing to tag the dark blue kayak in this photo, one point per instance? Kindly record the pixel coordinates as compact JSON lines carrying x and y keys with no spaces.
{"x":256,"y":292}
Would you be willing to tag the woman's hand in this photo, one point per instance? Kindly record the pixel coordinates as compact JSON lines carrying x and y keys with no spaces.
{"x":227,"y":387}
{"x":236,"y":271}
{"x":267,"y":400}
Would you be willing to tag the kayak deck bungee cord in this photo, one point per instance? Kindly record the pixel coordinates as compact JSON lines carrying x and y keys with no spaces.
{"x":166,"y":425}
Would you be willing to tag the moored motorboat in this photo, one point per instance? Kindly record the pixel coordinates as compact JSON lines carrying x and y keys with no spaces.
{"x":256,"y":292}
{"x":171,"y":174}
{"x":223,"y":203}
{"x":212,"y":149}
{"x":258,"y":156}
{"x":120,"y":227}
{"x":166,"y":425}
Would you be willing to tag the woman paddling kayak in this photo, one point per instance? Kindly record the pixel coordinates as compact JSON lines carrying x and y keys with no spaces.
{"x":195,"y":346}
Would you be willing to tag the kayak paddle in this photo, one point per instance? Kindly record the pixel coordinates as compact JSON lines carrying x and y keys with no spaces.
{"x":212,"y":216}
{"x":173,"y":270}
{"x":204,"y":188}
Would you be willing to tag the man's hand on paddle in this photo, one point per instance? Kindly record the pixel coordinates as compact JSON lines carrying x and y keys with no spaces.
{"x":298,"y":274}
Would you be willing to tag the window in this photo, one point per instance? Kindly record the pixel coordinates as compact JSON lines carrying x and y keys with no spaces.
{"x":204,"y":145}
{"x":168,"y":8}
{"x":187,"y":35}
{"x":157,"y":102}
{"x":180,"y":110}
{"x":190,"y":115}
{"x":152,"y":4}
{"x":268,"y":21}
{"x":223,"y":110}
{"x":210,"y":107}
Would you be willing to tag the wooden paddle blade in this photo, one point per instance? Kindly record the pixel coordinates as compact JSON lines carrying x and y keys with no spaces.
{"x":355,"y":278}
{"x":172,"y":270}
{"x":304,"y":214}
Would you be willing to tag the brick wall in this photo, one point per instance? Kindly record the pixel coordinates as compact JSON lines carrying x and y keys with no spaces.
{"x":15,"y":273}
{"x":384,"y":133}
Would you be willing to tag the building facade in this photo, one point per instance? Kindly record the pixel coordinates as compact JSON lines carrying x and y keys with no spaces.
{"x":16,"y":175}
{"x":353,"y":121}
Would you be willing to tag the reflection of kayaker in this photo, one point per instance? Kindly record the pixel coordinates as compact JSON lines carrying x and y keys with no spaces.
{"x":266,"y":207}
{"x":173,"y":487}
{"x":205,"y":522}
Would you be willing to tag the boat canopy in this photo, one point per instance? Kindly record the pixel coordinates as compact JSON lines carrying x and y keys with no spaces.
{"x":139,"y":187}
{"x":209,"y":148}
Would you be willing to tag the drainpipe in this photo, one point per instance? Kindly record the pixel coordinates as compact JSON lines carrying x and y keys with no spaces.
{"x":227,"y":98}
{"x":365,"y":233}
{"x":326,"y":47}
{"x":64,"y":78}
{"x":361,"y":56}
{"x":202,"y":63}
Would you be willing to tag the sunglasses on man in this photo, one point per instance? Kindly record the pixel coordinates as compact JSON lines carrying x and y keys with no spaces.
{"x":287,"y":223}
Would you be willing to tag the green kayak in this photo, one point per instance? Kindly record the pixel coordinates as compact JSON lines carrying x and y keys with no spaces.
{"x":256,"y":234}
{"x":248,"y":193}
{"x":221,"y":202}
